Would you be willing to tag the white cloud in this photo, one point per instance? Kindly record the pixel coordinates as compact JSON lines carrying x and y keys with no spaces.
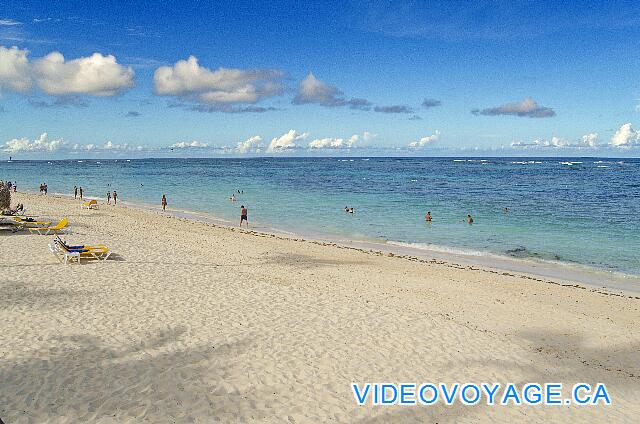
{"x":87,"y":147}
{"x":109,"y":145}
{"x":338,"y":143}
{"x":9,"y":22}
{"x":324,"y":143}
{"x":286,"y":141}
{"x":15,"y":72}
{"x":424,"y":141}
{"x":367,"y":136}
{"x":590,"y":140}
{"x":252,"y":143}
{"x":188,"y":144}
{"x":626,"y":136}
{"x":313,"y":90}
{"x":587,"y":141}
{"x":558,"y":142}
{"x":187,"y":79}
{"x":97,"y":75}
{"x":40,"y":144}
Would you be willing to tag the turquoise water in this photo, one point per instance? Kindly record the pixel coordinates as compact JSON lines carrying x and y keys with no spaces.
{"x":583,"y":211}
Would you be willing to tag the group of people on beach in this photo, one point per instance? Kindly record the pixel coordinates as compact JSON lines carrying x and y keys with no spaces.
{"x":12,"y":186}
{"x":43,"y":188}
{"x":113,"y":196}
{"x":79,"y":192}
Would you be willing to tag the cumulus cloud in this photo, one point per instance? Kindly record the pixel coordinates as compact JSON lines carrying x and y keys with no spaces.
{"x":41,"y":144}
{"x":286,"y":141}
{"x":313,"y":90}
{"x":429,"y":103}
{"x":189,"y":144}
{"x":221,"y":88}
{"x":107,"y":146}
{"x":425,"y":141}
{"x":526,"y":108}
{"x":87,"y":147}
{"x":590,"y":140}
{"x":341,"y":143}
{"x":15,"y":72}
{"x":587,"y":141}
{"x":625,"y":136}
{"x":394,"y":109}
{"x":96,"y":75}
{"x":251,"y":144}
{"x":367,"y":136}
{"x":554,"y":142}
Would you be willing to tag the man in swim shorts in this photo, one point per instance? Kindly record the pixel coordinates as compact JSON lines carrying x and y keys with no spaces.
{"x":243,"y":216}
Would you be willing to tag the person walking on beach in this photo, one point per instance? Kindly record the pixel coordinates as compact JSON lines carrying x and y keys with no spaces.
{"x":45,"y":188}
{"x":81,"y":193}
{"x":108,"y":197}
{"x":243,"y":216}
{"x":427,"y":217}
{"x":115,"y":197}
{"x":75,"y":192}
{"x":164,"y":202}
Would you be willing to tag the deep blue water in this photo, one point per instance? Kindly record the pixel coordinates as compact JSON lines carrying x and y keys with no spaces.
{"x":583,"y":211}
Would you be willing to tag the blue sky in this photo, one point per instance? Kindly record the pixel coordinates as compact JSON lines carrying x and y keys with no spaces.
{"x":496,"y":78}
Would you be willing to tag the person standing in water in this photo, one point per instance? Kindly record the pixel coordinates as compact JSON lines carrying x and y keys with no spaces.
{"x":115,"y":197}
{"x":75,"y":192}
{"x":108,"y":197}
{"x":427,"y":217}
{"x":164,"y":202}
{"x":469,"y":219}
{"x":243,"y":216}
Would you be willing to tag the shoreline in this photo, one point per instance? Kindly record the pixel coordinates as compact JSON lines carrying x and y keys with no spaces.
{"x":562,"y":273}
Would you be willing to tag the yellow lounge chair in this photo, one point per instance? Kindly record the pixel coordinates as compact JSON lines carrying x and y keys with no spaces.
{"x":99,"y":252}
{"x":45,"y":231}
{"x":91,"y":204}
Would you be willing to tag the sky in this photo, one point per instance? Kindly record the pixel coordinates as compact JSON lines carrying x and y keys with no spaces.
{"x":411,"y":78}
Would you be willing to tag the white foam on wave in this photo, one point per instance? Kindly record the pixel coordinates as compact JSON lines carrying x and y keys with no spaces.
{"x":439,"y":249}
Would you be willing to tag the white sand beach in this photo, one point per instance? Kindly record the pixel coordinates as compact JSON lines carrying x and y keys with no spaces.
{"x":192,"y":322}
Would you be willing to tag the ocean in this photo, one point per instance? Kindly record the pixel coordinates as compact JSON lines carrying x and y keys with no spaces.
{"x":583,"y":212}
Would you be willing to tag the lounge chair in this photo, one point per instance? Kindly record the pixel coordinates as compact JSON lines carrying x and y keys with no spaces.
{"x":67,"y":255}
{"x":31,"y":222}
{"x":45,"y":231}
{"x":99,"y":252}
{"x":91,"y":204}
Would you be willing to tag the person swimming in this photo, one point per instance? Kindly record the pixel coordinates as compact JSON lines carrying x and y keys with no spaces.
{"x":427,"y":217}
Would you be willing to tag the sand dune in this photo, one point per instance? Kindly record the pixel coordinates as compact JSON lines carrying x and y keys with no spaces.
{"x":191,"y":322}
